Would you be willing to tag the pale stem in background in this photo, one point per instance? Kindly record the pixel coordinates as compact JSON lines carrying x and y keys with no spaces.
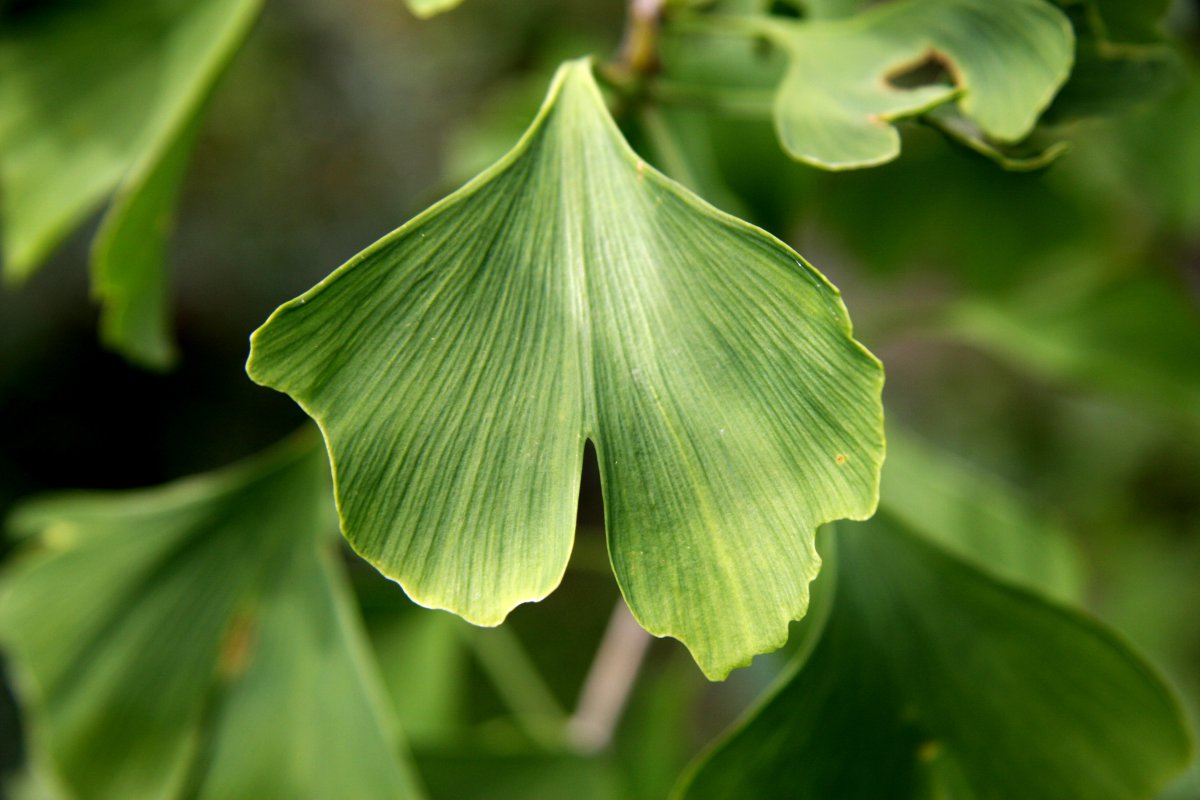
{"x":609,"y":682}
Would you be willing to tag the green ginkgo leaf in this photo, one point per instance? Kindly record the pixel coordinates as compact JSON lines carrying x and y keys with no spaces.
{"x":934,"y":680}
{"x":837,"y":102}
{"x":198,"y":640}
{"x":100,"y":96}
{"x":571,"y":293}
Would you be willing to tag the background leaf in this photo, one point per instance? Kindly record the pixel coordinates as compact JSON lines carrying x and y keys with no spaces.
{"x":571,"y":292}
{"x":975,"y":516}
{"x":129,"y":275}
{"x":97,"y":95}
{"x":933,"y":680}
{"x":841,"y":91}
{"x":198,"y":638}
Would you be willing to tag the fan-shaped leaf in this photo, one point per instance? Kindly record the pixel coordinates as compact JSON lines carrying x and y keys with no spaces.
{"x":570,"y":292}
{"x":835,"y":106}
{"x":198,"y":637}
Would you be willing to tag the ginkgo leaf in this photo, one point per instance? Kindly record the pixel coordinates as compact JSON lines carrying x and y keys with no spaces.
{"x":932,"y":679}
{"x":458,"y":366}
{"x":95,"y":97}
{"x":129,"y":257}
{"x":198,"y":638}
{"x":839,"y":97}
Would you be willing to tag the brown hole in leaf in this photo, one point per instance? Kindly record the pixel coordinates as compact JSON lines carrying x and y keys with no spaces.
{"x":930,"y":69}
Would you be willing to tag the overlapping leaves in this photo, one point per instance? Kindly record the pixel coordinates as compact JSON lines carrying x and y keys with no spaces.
{"x":198,"y":640}
{"x":100,"y":96}
{"x":458,"y":366}
{"x":836,"y":103}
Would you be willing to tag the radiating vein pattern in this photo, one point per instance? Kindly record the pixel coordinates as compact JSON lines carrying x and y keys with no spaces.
{"x":569,"y":293}
{"x":198,"y":640}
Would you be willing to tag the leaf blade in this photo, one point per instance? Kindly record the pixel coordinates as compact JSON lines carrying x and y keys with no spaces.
{"x":715,"y":398}
{"x":932,"y":677}
{"x":137,"y":618}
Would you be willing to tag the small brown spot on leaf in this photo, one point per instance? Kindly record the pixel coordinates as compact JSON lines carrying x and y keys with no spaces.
{"x":840,"y":458}
{"x":236,"y":647}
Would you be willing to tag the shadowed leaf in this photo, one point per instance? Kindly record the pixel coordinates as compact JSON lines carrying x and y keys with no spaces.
{"x":931,"y":679}
{"x":975,"y":516}
{"x":198,"y":638}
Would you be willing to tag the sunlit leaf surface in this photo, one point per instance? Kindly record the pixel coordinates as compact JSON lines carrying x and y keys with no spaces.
{"x":429,"y":8}
{"x":129,"y":275}
{"x":932,"y":679}
{"x":96,"y":96}
{"x":846,"y":81}
{"x":198,"y":640}
{"x":458,"y":366}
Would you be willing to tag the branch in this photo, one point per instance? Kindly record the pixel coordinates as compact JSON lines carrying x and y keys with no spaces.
{"x":609,"y":682}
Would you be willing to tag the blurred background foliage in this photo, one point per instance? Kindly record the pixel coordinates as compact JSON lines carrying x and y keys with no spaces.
{"x":1041,"y":327}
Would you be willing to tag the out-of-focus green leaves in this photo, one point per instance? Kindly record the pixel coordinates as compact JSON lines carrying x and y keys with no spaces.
{"x":1127,"y":20}
{"x":430,"y":8}
{"x":96,"y":96}
{"x":836,"y":103}
{"x":932,"y":679}
{"x":1159,"y":160}
{"x":1112,"y":78}
{"x":480,"y":775}
{"x":830,"y":9}
{"x":423,"y":660}
{"x":1132,"y":334}
{"x":458,"y":366}
{"x":1122,"y":59}
{"x":129,"y":258}
{"x":198,"y":639}
{"x":973,"y":515}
